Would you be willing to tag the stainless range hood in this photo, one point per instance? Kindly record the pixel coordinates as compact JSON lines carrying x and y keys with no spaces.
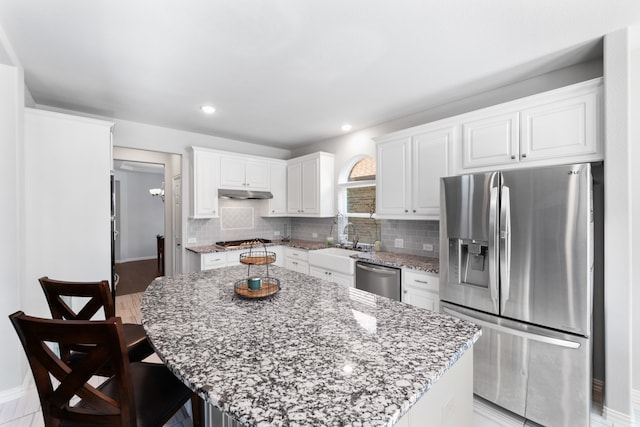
{"x":244,"y":194}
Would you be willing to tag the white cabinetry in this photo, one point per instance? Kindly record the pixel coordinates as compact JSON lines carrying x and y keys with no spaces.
{"x":239,"y":172}
{"x":332,"y":276}
{"x":66,"y":221}
{"x":554,"y":127}
{"x":310,"y":185}
{"x":420,"y":289}
{"x":296,"y":260}
{"x":211,"y":260}
{"x":278,"y":183}
{"x":409,"y":166}
{"x":205,"y":167}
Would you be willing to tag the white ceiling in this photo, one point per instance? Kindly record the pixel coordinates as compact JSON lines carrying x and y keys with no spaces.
{"x":290,"y":72}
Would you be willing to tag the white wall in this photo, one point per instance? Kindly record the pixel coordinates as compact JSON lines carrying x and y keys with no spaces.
{"x":634,"y":148}
{"x":12,"y":363}
{"x":141,"y":215}
{"x":620,"y":131}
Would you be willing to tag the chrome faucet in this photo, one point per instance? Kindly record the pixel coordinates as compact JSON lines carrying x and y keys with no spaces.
{"x":356,"y":238}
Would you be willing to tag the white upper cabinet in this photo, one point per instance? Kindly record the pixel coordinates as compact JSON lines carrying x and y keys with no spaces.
{"x":491,"y":140}
{"x":278,"y":180}
{"x":393,"y":176}
{"x":559,"y":126}
{"x":237,"y":172}
{"x":310,"y":185}
{"x":205,"y":170}
{"x":409,"y":167}
{"x":431,"y":160}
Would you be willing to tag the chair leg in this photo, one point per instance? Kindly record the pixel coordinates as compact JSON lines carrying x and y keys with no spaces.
{"x":197,"y":410}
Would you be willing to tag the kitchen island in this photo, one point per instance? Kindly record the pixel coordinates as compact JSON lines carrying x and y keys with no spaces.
{"x":315,"y":353}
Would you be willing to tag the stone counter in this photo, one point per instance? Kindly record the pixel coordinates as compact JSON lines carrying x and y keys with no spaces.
{"x":315,"y":353}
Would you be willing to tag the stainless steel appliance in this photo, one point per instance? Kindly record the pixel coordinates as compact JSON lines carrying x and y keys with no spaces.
{"x":516,"y":257}
{"x":378,"y":279}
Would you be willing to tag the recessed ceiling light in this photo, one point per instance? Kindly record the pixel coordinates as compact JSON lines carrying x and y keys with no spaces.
{"x":208,"y":109}
{"x":346,"y":127}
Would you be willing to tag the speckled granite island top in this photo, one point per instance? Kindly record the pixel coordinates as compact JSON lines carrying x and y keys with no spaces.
{"x":315,"y":353}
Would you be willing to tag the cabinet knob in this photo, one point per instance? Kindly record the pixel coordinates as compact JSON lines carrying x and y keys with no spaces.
{"x":406,"y":210}
{"x":513,"y":157}
{"x":404,"y":292}
{"x":414,"y":211}
{"x":273,"y":211}
{"x":524,"y":155}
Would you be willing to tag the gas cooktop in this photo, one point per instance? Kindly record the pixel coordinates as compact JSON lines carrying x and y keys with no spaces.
{"x":245,"y":243}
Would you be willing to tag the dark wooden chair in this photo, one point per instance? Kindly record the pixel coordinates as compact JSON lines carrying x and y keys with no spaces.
{"x":138,"y":394}
{"x":99,"y":298}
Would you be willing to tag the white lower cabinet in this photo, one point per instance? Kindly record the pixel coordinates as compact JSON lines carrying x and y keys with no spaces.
{"x":211,"y":260}
{"x":420,"y":289}
{"x":332,"y":276}
{"x":296,"y":260}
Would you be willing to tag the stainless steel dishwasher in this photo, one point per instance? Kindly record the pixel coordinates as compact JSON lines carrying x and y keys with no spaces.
{"x":379,"y":280}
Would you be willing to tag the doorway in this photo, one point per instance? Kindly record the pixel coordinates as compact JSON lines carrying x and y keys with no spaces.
{"x":140,"y":224}
{"x":146,"y":191}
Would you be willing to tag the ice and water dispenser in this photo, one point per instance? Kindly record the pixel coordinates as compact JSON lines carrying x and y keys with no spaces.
{"x":469,"y":262}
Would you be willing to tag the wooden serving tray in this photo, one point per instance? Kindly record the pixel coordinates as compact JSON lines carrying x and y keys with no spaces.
{"x":270,"y":286}
{"x":258,"y":258}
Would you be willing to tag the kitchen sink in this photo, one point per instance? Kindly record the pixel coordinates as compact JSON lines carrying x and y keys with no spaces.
{"x":336,"y":259}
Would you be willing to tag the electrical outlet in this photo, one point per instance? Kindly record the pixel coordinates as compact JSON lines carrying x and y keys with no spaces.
{"x":192,"y":240}
{"x":314,"y":234}
{"x":399,"y":243}
{"x":427,"y":247}
{"x":276,"y":233}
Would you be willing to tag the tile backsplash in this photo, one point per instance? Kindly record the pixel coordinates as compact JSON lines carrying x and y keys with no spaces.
{"x":241,"y":220}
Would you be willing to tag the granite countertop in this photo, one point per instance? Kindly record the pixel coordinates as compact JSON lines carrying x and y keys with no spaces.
{"x":314,"y":353}
{"x":294,"y":243}
{"x":390,"y":259}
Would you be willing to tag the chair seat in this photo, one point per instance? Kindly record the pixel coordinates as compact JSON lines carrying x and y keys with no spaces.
{"x":138,"y":345}
{"x":154,"y":387}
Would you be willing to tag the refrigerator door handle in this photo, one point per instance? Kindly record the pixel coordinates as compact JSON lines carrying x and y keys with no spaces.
{"x":505,"y":246}
{"x":522,"y":334}
{"x":493,"y":245}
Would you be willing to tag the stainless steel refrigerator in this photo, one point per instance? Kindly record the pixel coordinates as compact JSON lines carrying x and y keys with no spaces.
{"x":517,"y":258}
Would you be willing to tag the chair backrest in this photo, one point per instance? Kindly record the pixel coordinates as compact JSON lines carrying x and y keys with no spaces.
{"x":98,"y":293}
{"x":104,"y":343}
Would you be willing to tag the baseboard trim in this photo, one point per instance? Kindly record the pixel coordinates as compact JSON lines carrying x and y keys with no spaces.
{"x":635,"y":399}
{"x":16,"y":393}
{"x":122,"y":261}
{"x":496,"y":414}
{"x":618,"y":419}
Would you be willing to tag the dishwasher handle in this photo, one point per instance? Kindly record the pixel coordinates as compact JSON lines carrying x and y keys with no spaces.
{"x":382,"y":270}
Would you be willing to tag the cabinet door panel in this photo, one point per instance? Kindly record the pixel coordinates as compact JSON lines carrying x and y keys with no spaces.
{"x":420,"y":298}
{"x":257,"y":175}
{"x":310,"y":186}
{"x":278,"y":185}
{"x":294,"y":187}
{"x":392,"y":184}
{"x":560,"y":129}
{"x":205,"y":185}
{"x":430,"y":163}
{"x":491,"y":141}
{"x":232,"y":172}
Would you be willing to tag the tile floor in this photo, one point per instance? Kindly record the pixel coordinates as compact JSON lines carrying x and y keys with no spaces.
{"x":25,"y":412}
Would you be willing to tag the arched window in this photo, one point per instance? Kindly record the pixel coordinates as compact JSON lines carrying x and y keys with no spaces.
{"x":358,"y":199}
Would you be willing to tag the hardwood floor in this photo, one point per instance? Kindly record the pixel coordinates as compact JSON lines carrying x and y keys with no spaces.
{"x":25,"y":412}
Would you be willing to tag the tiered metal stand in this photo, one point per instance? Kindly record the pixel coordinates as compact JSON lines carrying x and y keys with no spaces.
{"x":268,"y":285}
